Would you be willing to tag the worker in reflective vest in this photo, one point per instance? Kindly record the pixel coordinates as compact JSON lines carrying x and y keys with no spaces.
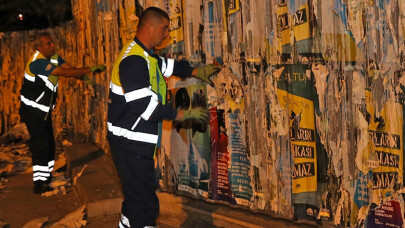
{"x":38,"y":96}
{"x":136,"y":110}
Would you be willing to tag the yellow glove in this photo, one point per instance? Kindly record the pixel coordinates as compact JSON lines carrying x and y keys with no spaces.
{"x":204,"y":73}
{"x":199,"y":114}
{"x":98,"y":69}
{"x":87,"y":80}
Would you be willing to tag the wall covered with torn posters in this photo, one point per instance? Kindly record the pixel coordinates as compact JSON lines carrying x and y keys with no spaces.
{"x":306,"y":116}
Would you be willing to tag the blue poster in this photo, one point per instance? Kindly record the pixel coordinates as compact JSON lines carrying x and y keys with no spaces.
{"x":240,"y":162}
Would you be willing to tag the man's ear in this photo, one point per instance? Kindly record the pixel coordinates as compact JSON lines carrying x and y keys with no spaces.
{"x":149,"y":28}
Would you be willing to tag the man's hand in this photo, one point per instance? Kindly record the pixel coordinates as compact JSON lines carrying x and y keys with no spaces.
{"x":204,"y":73}
{"x":199,"y":114}
{"x":87,"y":80}
{"x":98,"y":69}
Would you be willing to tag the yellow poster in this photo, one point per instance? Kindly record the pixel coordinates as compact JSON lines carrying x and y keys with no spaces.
{"x":301,"y":24}
{"x":385,"y":132}
{"x":303,"y":144}
{"x":175,"y":11}
{"x":283,"y":23}
{"x":233,"y":6}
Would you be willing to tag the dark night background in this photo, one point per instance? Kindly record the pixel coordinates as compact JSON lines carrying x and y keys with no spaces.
{"x":36,"y":14}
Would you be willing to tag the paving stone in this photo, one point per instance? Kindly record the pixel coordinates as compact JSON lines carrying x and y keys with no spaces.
{"x":80,"y":154}
{"x":4,"y":225}
{"x":98,"y":188}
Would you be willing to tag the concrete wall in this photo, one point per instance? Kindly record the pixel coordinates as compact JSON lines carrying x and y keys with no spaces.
{"x":306,"y":114}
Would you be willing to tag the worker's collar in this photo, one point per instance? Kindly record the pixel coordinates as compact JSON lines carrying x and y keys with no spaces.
{"x":38,"y":54}
{"x":150,"y":52}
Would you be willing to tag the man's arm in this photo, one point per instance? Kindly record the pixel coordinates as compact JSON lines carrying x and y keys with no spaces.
{"x":170,"y":67}
{"x":67,"y":65}
{"x":183,"y":69}
{"x":140,"y":99}
{"x":43,"y":67}
{"x":66,"y":70}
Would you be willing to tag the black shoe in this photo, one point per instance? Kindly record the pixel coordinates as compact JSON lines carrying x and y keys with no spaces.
{"x":41,"y":187}
{"x":49,"y":180}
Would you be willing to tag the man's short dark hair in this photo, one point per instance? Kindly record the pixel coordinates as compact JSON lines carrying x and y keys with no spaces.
{"x":152,"y":12}
{"x":37,"y":38}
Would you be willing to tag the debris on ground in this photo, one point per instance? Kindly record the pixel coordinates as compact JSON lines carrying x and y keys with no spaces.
{"x":14,"y":150}
{"x":60,"y":162}
{"x":59,"y":180}
{"x":4,"y":225}
{"x":2,"y":186}
{"x":7,"y":169}
{"x":66,"y":143}
{"x":72,"y":220}
{"x":14,"y":158}
{"x":17,"y":133}
{"x":59,"y":184}
{"x":37,"y":223}
{"x":54,"y":192}
{"x":78,"y":175}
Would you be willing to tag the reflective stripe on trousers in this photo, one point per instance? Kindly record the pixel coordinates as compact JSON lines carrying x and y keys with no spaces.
{"x":124,"y":223}
{"x":42,"y":173}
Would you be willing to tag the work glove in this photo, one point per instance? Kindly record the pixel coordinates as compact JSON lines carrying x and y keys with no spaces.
{"x":204,"y":73}
{"x":87,"y":80}
{"x":199,"y":114}
{"x":98,"y":69}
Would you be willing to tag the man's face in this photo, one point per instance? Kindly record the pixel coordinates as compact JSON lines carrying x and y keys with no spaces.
{"x":47,"y":47}
{"x":160,"y":31}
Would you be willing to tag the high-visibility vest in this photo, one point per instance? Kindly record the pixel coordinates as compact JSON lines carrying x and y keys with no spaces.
{"x":127,"y":127}
{"x":38,"y":93}
{"x":156,"y":79}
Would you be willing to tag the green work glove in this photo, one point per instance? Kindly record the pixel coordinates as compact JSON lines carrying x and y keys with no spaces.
{"x":198,"y":114}
{"x":204,"y":73}
{"x":97,"y":69}
{"x":87,"y":80}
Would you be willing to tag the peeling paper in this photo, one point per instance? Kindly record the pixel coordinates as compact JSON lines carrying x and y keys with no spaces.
{"x":19,"y":131}
{"x":36,"y":223}
{"x":59,"y":181}
{"x":359,"y":84}
{"x":79,"y":174}
{"x":72,"y":220}
{"x":227,"y":87}
{"x":320,"y":74}
{"x":60,"y":162}
{"x":279,"y":116}
{"x":363,"y":139}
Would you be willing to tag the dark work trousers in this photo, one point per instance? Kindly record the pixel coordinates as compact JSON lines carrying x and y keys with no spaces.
{"x":135,"y":168}
{"x":42,"y":146}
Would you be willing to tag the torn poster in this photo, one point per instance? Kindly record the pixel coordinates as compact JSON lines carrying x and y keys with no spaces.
{"x":295,"y":95}
{"x":191,"y":141}
{"x":386,"y":135}
{"x":220,"y":182}
{"x":389,"y":214}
